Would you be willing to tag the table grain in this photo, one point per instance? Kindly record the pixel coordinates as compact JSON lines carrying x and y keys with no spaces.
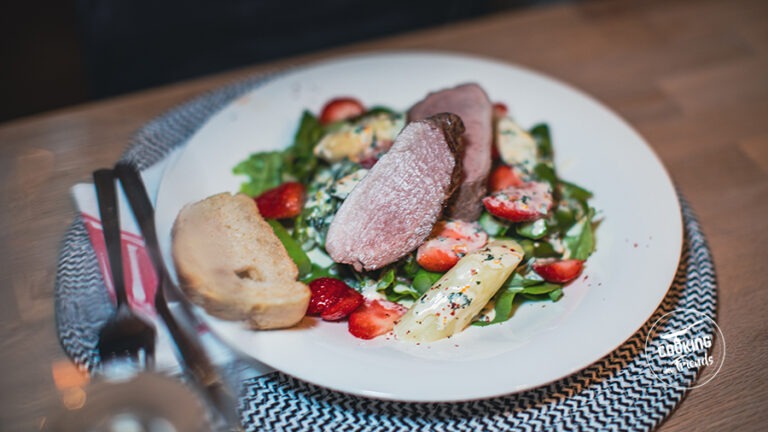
{"x":690,"y":76}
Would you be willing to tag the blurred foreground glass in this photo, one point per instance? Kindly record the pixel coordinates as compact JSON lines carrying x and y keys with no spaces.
{"x":145,"y":402}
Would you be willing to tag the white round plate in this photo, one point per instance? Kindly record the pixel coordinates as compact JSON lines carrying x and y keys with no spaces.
{"x":638,"y":242}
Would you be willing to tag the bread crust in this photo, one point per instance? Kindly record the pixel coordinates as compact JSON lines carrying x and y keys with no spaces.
{"x":230,"y":262}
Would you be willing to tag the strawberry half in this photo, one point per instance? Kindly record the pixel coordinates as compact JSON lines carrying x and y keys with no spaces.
{"x":343,"y":307}
{"x":374,"y":318}
{"x":502,"y":177}
{"x":435,"y":259}
{"x":558,"y":271}
{"x":332,"y":299}
{"x":284,"y":201}
{"x":449,"y":242}
{"x":342,"y":108}
{"x":524,"y":203}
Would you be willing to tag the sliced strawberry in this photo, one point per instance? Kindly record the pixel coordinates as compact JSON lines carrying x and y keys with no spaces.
{"x":324,"y":292}
{"x":449,"y":242}
{"x":284,"y":201}
{"x":524,"y":203}
{"x":374,"y":318}
{"x":436,"y":259}
{"x":558,"y":271}
{"x":341,"y":108}
{"x":344,"y":306}
{"x":332,"y":299}
{"x":502,"y":177}
{"x":500,"y":109}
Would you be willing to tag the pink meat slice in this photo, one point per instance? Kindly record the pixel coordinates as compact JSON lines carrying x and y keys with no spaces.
{"x":394,"y":207}
{"x":471,"y":103}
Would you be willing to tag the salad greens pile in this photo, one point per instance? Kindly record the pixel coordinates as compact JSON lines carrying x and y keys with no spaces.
{"x":568,"y":232}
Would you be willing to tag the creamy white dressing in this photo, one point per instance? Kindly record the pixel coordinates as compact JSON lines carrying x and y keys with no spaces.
{"x":516,"y":146}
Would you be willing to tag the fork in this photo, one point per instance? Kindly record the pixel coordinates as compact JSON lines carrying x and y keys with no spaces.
{"x":126,"y":338}
{"x":176,"y":311}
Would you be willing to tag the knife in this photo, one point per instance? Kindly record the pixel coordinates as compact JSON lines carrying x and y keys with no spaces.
{"x":175,"y":309}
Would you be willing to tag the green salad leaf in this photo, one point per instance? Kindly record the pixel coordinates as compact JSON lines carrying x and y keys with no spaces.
{"x":580,"y":238}
{"x":293,"y":248}
{"x":538,"y":249}
{"x":540,"y":133}
{"x":424,"y":280}
{"x":492,"y":225}
{"x":299,"y":159}
{"x":503,"y":304}
{"x":264,"y":171}
{"x":533,"y":230}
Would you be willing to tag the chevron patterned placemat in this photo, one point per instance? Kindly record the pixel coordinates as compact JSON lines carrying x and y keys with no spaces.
{"x":618,"y":392}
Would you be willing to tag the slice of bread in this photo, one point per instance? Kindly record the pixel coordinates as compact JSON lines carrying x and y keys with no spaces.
{"x":231,"y":263}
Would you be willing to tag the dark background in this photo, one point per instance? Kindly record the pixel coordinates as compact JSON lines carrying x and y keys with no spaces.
{"x":59,"y":53}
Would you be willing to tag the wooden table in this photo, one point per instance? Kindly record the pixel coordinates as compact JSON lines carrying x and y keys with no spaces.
{"x":691,"y":76}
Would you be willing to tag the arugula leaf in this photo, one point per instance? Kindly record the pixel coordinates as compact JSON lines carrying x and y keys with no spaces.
{"x":574,"y":197}
{"x":424,"y":280}
{"x":401,"y":291}
{"x":410,"y":267}
{"x":319,"y":271}
{"x":518,"y":282}
{"x":264,"y":171}
{"x":396,"y":287}
{"x":299,"y":159}
{"x":493,"y":226}
{"x":533,"y":230}
{"x":529,"y":288}
{"x":570,"y":190}
{"x":394,"y":291}
{"x":380,"y":109}
{"x":565,"y":218}
{"x":502,"y":307}
{"x":555,"y":295}
{"x":386,"y":279}
{"x":545,"y":172}
{"x":541,"y":134}
{"x":541,"y":288}
{"x":580,"y":238}
{"x":538,"y":249}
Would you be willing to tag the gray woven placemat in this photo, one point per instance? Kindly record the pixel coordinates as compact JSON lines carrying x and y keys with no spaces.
{"x":618,"y":392}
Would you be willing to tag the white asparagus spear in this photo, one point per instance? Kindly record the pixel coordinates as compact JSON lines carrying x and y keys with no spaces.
{"x":461,"y":293}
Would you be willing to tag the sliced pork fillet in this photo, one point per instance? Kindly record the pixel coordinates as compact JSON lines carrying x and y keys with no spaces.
{"x":395,"y":206}
{"x":471,"y":103}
